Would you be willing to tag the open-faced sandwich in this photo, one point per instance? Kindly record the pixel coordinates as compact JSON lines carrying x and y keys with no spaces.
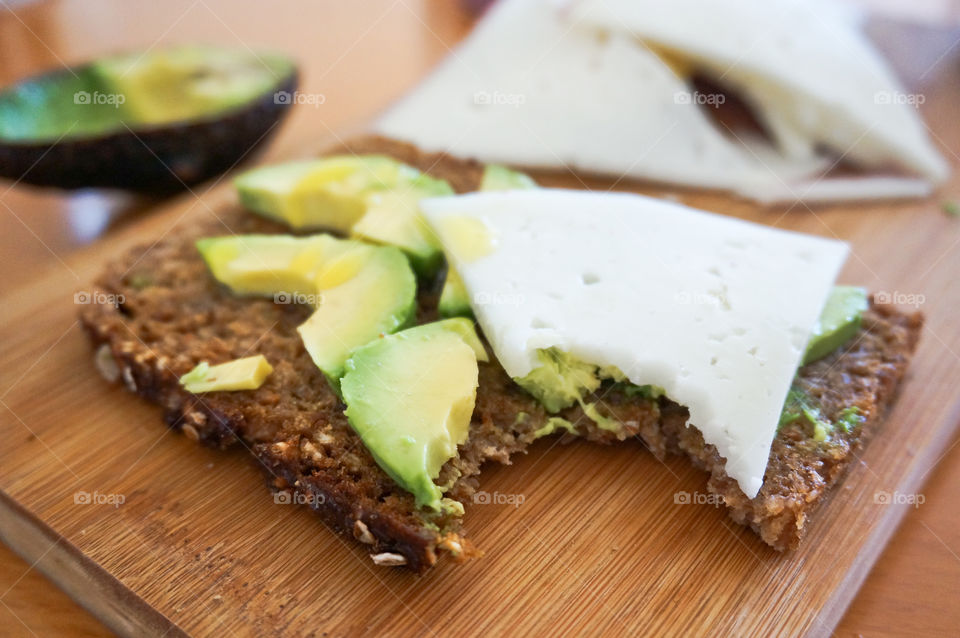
{"x":375,"y":368}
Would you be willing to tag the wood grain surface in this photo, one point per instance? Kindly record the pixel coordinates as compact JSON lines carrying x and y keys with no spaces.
{"x":598,"y":543}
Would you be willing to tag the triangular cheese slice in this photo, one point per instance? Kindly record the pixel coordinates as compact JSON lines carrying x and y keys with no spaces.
{"x":715,"y":310}
{"x":805,"y":67}
{"x":529,"y":88}
{"x":585,"y":85}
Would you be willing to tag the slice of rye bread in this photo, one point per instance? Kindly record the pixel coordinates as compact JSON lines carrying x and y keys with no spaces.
{"x":174,"y":314}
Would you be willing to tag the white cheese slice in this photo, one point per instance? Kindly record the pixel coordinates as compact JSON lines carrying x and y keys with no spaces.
{"x":804,"y":65}
{"x":576,"y":85}
{"x":841,"y":189}
{"x":715,"y":310}
{"x":529,"y":88}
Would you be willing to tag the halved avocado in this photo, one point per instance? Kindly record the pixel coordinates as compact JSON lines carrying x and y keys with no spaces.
{"x":153,"y":122}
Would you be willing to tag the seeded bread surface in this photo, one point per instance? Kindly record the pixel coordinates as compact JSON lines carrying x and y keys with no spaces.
{"x":174,"y":315}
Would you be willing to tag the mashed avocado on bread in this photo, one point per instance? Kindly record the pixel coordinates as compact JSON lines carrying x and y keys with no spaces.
{"x":562,"y":380}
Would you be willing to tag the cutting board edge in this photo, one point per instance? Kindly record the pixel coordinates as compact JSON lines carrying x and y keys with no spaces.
{"x":83,"y":579}
{"x":872,"y":548}
{"x":86,"y":581}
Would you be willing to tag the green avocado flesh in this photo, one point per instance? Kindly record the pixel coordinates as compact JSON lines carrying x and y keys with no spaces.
{"x":359,"y":291}
{"x":562,"y":380}
{"x":410,"y":397}
{"x":801,"y":407}
{"x":247,"y":373}
{"x":324,"y":193}
{"x":454,"y":298}
{"x":552,"y":425}
{"x":372,"y":197}
{"x":137,"y":91}
{"x":500,"y":178}
{"x":393,"y":217}
{"x":838,"y":322}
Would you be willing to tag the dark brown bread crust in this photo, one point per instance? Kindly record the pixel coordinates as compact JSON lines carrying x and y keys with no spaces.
{"x":174,"y":315}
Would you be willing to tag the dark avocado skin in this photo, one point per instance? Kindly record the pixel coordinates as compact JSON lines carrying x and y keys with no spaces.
{"x":156,"y":160}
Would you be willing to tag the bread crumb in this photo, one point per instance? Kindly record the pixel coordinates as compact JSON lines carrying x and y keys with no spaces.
{"x":196,"y":418}
{"x":106,"y":365}
{"x":128,"y":379}
{"x":311,"y":450}
{"x":324,"y":438}
{"x":362,"y":533}
{"x":452,"y":544}
{"x":388,"y":559}
{"x":191,"y":432}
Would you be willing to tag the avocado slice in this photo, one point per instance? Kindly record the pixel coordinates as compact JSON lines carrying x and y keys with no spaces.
{"x":359,"y":291}
{"x":379,"y":299}
{"x":410,"y":397}
{"x":454,"y":298}
{"x":247,"y":373}
{"x":152,"y":122}
{"x":393,"y":218}
{"x":268,"y":265}
{"x":468,"y":332}
{"x":326,"y":193}
{"x":838,"y":323}
{"x":371,"y":196}
{"x":500,"y":178}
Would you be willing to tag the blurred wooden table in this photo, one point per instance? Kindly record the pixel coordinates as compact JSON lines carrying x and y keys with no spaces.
{"x":360,"y":56}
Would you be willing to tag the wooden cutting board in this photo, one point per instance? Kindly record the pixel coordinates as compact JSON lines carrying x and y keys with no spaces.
{"x":599,"y":542}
